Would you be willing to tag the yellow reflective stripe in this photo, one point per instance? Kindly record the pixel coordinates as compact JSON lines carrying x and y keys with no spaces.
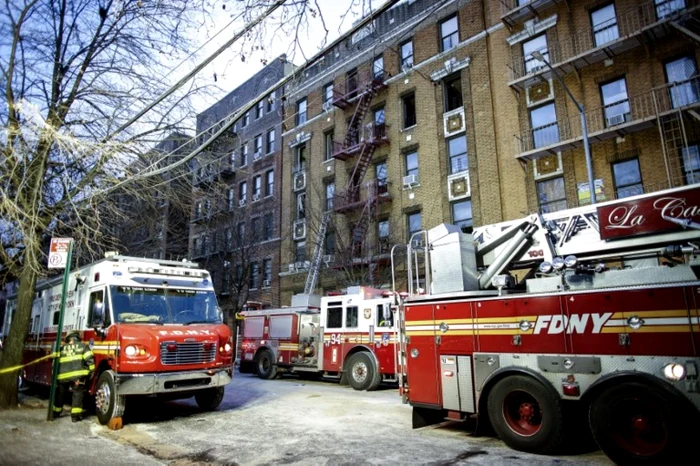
{"x":75,"y":357}
{"x":91,"y":367}
{"x":68,"y":375}
{"x":87,"y":354}
{"x":56,"y":409}
{"x":76,"y":410}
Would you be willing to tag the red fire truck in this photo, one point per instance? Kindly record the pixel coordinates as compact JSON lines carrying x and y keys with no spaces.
{"x":593,"y":308}
{"x":351,"y":336}
{"x":154,"y":327}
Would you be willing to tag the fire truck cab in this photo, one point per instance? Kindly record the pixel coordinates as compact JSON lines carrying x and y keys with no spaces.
{"x":594,"y":308}
{"x":351,"y":336}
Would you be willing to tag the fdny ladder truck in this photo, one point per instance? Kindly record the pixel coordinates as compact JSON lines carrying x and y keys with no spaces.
{"x":594,"y":308}
{"x":350,"y":336}
{"x":154,"y":327}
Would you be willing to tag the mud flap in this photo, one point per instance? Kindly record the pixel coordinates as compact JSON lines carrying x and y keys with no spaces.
{"x":423,"y":417}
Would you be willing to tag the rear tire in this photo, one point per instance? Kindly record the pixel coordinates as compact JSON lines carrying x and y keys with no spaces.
{"x":362,"y":372}
{"x":637,"y":423}
{"x":526,"y":415}
{"x":209,"y":399}
{"x":265,"y":365}
{"x":108,"y":403}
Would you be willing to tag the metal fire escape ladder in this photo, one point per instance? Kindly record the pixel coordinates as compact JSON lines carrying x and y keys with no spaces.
{"x":312,"y":277}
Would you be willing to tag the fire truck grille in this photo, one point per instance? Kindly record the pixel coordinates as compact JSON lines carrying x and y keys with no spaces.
{"x":172,"y":353}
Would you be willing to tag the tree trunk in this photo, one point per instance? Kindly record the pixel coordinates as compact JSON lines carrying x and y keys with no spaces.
{"x":14,"y":343}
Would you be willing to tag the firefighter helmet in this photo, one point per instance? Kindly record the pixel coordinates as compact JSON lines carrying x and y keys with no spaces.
{"x":74,"y":335}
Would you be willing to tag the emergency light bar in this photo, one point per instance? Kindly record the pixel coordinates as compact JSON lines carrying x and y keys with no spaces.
{"x":168,"y":271}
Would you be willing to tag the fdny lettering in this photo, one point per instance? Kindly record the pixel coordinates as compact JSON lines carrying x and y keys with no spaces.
{"x":186,"y":332}
{"x":577,"y":323}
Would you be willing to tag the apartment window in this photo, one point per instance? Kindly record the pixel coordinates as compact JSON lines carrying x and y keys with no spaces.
{"x":228,"y":239}
{"x":268,"y":227}
{"x":604,"y":24}
{"x":414,"y":225}
{"x":246,"y":119}
{"x":300,"y":162}
{"x":691,"y":164}
{"x":269,"y":183}
{"x":301,"y":112}
{"x":299,"y":251}
{"x":198,"y":210}
{"x":270,"y":141}
{"x":257,"y":187}
{"x":551,"y":195}
{"x":462,"y":215}
{"x":271,"y":101}
{"x":683,"y":91}
{"x":665,"y":7}
{"x":233,"y":159}
{"x":260,"y":109}
{"x":238,"y":276}
{"x":267,"y":270}
{"x":227,"y":277}
{"x":241,"y":232}
{"x":378,"y":68}
{"x":244,"y":155}
{"x":328,"y":145}
{"x":254,"y":271}
{"x":205,"y":245}
{"x":407,"y":55}
{"x":207,"y":206}
{"x":327,"y":96}
{"x":449,"y":34}
{"x":452,"y":87}
{"x":330,"y":192}
{"x":616,"y":104}
{"x":351,"y":83}
{"x":545,"y":129}
{"x":379,"y":116}
{"x":257,"y":146}
{"x":230,"y":198}
{"x":538,"y":44}
{"x":409,"y":110}
{"x":457,"y":151}
{"x":412,"y":163}
{"x":380,"y":175}
{"x":627,"y":178}
{"x":255,"y":229}
{"x":196,"y":246}
{"x":329,"y":246}
{"x":383,"y":229}
{"x":242,"y":191}
{"x":301,"y":205}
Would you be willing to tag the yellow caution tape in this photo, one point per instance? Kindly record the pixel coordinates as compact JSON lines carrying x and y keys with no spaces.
{"x":16,"y":368}
{"x":239,"y":317}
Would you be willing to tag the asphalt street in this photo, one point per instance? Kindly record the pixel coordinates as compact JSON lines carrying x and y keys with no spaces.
{"x":260,"y":422}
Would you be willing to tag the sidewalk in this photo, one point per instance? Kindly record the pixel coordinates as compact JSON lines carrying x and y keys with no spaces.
{"x":27,"y":438}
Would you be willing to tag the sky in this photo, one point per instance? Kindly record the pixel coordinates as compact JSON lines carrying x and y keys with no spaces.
{"x":228,"y":71}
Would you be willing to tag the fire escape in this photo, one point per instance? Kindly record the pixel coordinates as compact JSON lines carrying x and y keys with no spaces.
{"x":360,"y":142}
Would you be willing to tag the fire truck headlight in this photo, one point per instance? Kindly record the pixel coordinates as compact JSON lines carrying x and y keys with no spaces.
{"x":227,"y":348}
{"x":674,"y":371}
{"x":558,"y":263}
{"x":131,"y":351}
{"x":570,"y":262}
{"x":545,"y":267}
{"x":414,"y":353}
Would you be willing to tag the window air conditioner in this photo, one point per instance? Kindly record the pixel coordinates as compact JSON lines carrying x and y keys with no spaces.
{"x":298,"y":265}
{"x":410,"y":180}
{"x":299,"y":181}
{"x":328,"y":258}
{"x":241,"y":202}
{"x":299,"y":231}
{"x":616,"y":119}
{"x":257,"y":155}
{"x":327,"y":106}
{"x":256,"y":197}
{"x":266,"y":283}
{"x":292,"y":268}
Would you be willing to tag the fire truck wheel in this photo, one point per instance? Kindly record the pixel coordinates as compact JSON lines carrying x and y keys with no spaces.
{"x":265,"y":365}
{"x":526,"y":415}
{"x":108,"y":404}
{"x":635,"y":423}
{"x":210,"y":398}
{"x":362,"y":372}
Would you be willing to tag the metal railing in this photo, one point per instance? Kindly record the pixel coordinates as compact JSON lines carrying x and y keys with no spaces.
{"x":629,"y":23}
{"x":642,"y":107}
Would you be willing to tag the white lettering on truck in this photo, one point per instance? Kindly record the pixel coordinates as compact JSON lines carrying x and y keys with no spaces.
{"x":577,"y":323}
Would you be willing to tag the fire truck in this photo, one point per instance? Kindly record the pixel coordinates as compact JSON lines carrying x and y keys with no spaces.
{"x":154,"y":327}
{"x":349,"y":336}
{"x":587,"y":316}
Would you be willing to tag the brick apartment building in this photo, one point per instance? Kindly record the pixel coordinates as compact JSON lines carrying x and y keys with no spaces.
{"x":438,"y":111}
{"x":235,"y":224}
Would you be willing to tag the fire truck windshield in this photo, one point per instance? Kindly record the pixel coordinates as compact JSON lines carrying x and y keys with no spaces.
{"x":133,"y":304}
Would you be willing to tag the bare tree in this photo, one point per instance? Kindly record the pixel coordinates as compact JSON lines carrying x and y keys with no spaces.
{"x":73,"y":70}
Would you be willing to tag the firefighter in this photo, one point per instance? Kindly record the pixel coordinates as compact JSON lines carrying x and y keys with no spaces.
{"x":76,"y":365}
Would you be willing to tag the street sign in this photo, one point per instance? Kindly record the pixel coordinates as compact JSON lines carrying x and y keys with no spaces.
{"x":58,"y":252}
